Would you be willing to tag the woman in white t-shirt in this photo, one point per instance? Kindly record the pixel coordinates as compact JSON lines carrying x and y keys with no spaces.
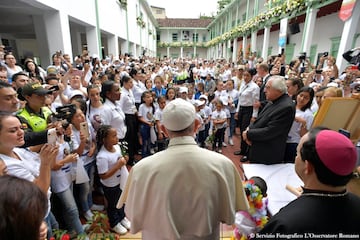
{"x":23,"y":163}
{"x":302,"y":122}
{"x":112,"y":171}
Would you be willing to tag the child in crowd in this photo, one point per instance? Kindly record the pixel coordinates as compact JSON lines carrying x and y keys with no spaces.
{"x":112,"y":172}
{"x":146,"y":120}
{"x":148,"y":84}
{"x":225,"y":101}
{"x":162,"y":137}
{"x":207,"y":115}
{"x":200,"y":114}
{"x":84,"y":146}
{"x":233,"y":97}
{"x":158,"y":88}
{"x":170,"y":94}
{"x":249,"y":223}
{"x":218,"y":118}
{"x":61,"y":184}
{"x":199,"y":90}
{"x":220,"y":91}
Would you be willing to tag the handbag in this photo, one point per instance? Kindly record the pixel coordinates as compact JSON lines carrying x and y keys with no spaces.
{"x":81,"y":174}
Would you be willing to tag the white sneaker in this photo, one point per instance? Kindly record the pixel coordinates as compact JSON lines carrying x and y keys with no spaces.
{"x":220,"y":151}
{"x":88,"y":215}
{"x":231,"y":142}
{"x":126,"y":223}
{"x":86,"y":227}
{"x":152,"y":151}
{"x":97,"y":207}
{"x":119,"y":229}
{"x":224,"y":144}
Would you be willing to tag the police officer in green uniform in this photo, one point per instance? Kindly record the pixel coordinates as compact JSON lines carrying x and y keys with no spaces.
{"x":34,"y":115}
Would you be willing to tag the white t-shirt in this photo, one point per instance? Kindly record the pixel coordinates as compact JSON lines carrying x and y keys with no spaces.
{"x":200,"y":117}
{"x":61,"y":179}
{"x":146,"y":112}
{"x":158,"y":115}
{"x":106,"y":160}
{"x":219,"y":115}
{"x":27,"y":168}
{"x":76,"y":141}
{"x":95,"y":116}
{"x":294,"y":133}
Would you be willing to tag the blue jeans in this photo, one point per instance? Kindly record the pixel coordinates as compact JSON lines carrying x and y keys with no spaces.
{"x":232,"y":125}
{"x":112,"y":195}
{"x":70,"y":211}
{"x":90,"y":169}
{"x":146,"y":143}
{"x":51,"y":224}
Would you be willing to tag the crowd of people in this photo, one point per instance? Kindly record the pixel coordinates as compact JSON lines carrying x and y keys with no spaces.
{"x":78,"y":126}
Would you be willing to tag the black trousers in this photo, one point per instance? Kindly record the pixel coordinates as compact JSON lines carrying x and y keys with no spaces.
{"x":112,"y":195}
{"x":244,"y":117}
{"x":131,"y":136}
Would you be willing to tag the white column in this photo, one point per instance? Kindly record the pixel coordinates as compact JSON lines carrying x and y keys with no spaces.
{"x":41,"y":40}
{"x":194,"y":51}
{"x":92,"y":41}
{"x":234,"y":53}
{"x":265,"y":43}
{"x":53,"y":34}
{"x":244,"y":43}
{"x":124,"y":46}
{"x":347,"y":36}
{"x":168,"y":52}
{"x":253,"y":41}
{"x":76,"y":41}
{"x":58,"y":32}
{"x":181,"y":52}
{"x":308,"y":33}
{"x":113,"y":46}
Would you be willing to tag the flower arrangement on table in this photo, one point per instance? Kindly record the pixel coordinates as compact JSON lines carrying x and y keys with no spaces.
{"x":248,"y":223}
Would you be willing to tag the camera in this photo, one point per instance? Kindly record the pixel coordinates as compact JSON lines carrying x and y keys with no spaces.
{"x":58,"y":53}
{"x":325,"y":54}
{"x":54,"y":88}
{"x":302,"y":56}
{"x":64,"y":113}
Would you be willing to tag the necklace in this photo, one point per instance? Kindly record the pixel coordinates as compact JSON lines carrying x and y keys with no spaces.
{"x":325,"y":194}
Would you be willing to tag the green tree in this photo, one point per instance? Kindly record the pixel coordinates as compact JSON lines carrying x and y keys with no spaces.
{"x":222,"y":4}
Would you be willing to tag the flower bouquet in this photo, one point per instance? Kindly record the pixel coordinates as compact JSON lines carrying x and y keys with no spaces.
{"x":249,"y":223}
{"x":124,"y":149}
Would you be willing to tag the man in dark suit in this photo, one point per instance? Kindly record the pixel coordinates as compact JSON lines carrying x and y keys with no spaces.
{"x":268,"y":133}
